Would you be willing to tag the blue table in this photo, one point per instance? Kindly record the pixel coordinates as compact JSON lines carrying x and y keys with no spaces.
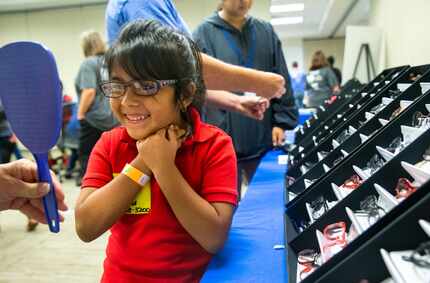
{"x":258,"y":225}
{"x":305,"y":113}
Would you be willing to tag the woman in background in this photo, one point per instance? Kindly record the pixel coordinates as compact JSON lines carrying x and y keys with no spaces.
{"x":94,"y":114}
{"x":321,"y":82}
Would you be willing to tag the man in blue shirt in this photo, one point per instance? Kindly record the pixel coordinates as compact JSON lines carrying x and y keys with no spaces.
{"x":217,"y":75}
{"x":298,"y":84}
{"x":120,"y":12}
{"x":233,"y":36}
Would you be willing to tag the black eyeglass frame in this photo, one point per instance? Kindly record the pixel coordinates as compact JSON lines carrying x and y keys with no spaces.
{"x":423,"y":249}
{"x":137,"y":85}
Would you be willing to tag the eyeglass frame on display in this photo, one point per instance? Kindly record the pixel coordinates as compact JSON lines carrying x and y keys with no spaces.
{"x":409,"y":188}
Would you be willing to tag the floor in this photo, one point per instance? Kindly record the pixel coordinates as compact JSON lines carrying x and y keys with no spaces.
{"x":40,"y":256}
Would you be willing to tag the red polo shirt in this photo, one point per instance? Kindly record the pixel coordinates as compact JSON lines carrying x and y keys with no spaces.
{"x":154,"y":247}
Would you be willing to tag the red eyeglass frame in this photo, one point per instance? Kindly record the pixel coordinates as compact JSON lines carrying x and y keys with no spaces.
{"x":352,"y":183}
{"x":307,"y":264}
{"x":404,"y":188}
{"x":334,"y":241}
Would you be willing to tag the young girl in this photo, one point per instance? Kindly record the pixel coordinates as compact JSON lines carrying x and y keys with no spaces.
{"x":164,"y":183}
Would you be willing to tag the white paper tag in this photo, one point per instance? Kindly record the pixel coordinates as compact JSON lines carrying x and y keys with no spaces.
{"x":282,"y":159}
{"x":279,"y":247}
{"x":246,"y":93}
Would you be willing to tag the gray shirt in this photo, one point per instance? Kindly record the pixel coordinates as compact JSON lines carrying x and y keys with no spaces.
{"x":319,"y":85}
{"x":99,"y":114}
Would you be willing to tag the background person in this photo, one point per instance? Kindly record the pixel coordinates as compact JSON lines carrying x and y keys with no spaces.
{"x":94,"y":114}
{"x":217,"y":74}
{"x":233,"y":36}
{"x":336,"y":71}
{"x":298,"y":83}
{"x":321,"y":82}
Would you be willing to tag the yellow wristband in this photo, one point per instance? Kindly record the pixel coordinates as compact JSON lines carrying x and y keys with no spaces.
{"x":135,"y":174}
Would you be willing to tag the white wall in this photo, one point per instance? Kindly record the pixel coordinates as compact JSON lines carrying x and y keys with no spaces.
{"x":405,"y":27}
{"x":293,"y":51}
{"x":332,"y":47}
{"x":59,"y":30}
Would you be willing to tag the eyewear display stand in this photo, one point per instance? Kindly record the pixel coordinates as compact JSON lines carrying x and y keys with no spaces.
{"x":323,"y":113}
{"x":296,"y":157}
{"x":362,"y":126}
{"x":382,"y":256}
{"x":332,"y":225}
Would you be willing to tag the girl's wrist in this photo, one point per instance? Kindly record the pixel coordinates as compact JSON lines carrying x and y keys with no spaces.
{"x":138,"y":163}
{"x":163,"y":168}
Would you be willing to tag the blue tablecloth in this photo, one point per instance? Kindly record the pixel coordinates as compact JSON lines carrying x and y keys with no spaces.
{"x":258,"y":225}
{"x":304,"y":114}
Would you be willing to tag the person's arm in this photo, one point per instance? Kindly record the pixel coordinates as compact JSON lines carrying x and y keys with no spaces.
{"x":207,"y":222}
{"x":20,"y":190}
{"x":222,"y":76}
{"x":85,"y":101}
{"x":93,"y":215}
{"x":87,"y":82}
{"x":219,"y":84}
{"x":250,"y":106}
{"x":332,"y":81}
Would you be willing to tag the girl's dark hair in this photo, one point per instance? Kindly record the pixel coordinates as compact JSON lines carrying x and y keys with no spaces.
{"x":146,"y":50}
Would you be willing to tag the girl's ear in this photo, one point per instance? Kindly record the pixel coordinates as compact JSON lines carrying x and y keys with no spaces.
{"x":191,"y":89}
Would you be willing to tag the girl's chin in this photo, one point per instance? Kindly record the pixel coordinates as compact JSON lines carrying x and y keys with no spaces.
{"x":137,"y":135}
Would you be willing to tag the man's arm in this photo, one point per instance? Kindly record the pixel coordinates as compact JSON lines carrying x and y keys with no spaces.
{"x":250,"y":106}
{"x":222,"y":76}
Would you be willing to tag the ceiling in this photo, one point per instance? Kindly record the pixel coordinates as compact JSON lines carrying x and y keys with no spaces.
{"x":323,"y":18}
{"x":21,"y":5}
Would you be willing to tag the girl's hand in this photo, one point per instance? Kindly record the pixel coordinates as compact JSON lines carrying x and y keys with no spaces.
{"x":159,"y":150}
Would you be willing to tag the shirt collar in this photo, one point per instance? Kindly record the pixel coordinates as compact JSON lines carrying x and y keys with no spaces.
{"x":199,"y":134}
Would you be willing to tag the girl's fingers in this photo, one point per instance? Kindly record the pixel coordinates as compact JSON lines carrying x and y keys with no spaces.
{"x":162,"y":133}
{"x":172,"y":133}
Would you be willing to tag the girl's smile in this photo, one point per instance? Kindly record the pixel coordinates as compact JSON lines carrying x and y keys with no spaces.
{"x":136,"y":119}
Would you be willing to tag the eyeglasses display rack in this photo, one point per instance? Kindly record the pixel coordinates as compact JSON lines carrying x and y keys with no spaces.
{"x":343,"y":113}
{"x":388,"y":253}
{"x":363,"y":125}
{"x":323,"y":113}
{"x":331,"y":111}
{"x":380,"y":176}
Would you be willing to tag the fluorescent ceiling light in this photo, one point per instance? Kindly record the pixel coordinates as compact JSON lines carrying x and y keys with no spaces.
{"x":296,"y":7}
{"x":287,"y":21}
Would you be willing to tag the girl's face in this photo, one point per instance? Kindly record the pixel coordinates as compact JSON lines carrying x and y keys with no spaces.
{"x":144,"y":115}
